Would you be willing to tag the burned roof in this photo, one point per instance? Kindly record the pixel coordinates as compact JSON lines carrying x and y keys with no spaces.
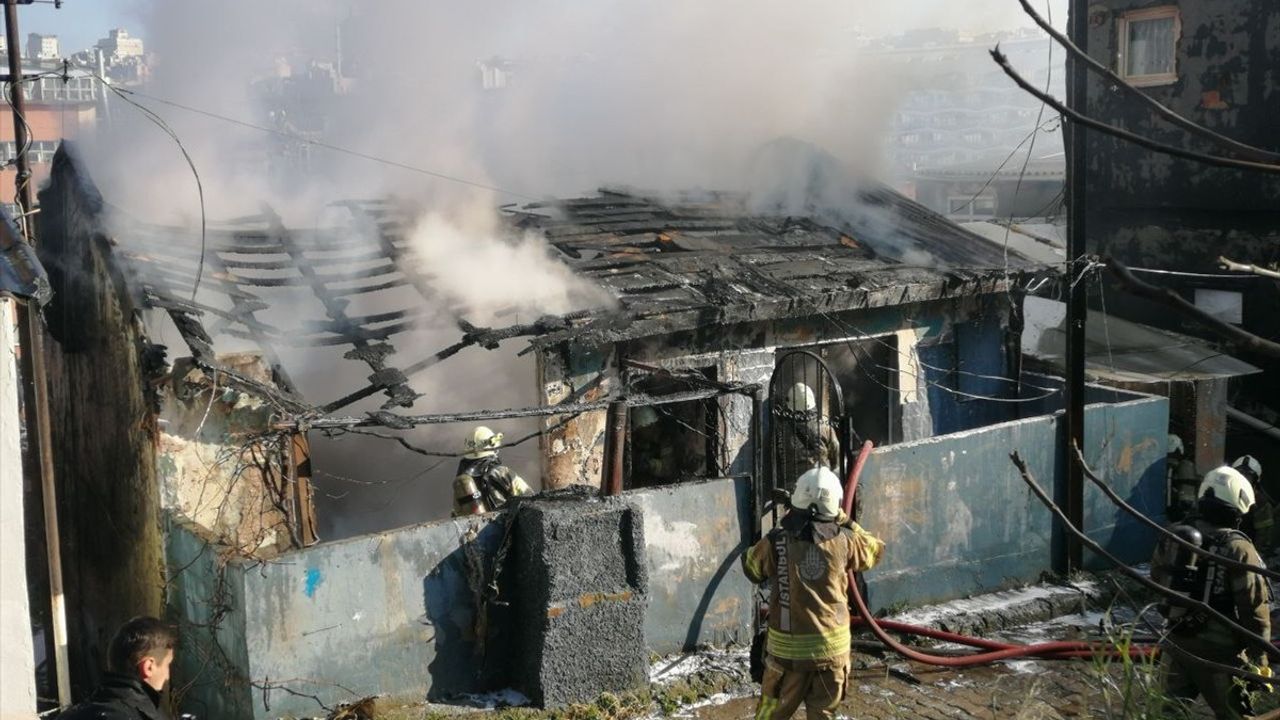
{"x":701,"y":260}
{"x":670,"y":266}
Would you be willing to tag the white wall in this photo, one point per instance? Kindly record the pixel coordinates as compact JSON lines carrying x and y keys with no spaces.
{"x":17,"y":671}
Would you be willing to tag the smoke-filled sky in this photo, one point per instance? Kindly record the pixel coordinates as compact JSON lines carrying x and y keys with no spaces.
{"x":659,"y":94}
{"x":80,"y":23}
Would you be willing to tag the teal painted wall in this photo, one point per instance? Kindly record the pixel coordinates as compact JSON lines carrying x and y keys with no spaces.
{"x":958,"y":520}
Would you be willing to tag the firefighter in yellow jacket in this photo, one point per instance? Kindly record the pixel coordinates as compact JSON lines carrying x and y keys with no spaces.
{"x":483,"y":483}
{"x":809,"y":557}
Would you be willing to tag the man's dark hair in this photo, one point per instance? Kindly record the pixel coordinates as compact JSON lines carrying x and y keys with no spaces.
{"x":139,"y":638}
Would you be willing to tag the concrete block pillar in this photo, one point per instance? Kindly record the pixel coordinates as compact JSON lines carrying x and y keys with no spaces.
{"x":17,"y":659}
{"x":581,"y":591}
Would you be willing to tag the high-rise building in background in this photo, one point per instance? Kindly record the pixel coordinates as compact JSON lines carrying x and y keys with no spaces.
{"x":119,"y":44}
{"x":43,"y":47}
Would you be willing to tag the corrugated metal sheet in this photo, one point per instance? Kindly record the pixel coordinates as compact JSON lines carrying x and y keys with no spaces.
{"x":1120,"y":350}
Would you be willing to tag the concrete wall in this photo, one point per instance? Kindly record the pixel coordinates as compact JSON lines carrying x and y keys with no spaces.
{"x":208,"y":470}
{"x":17,"y":686}
{"x":695,"y":535}
{"x":391,"y":613}
{"x":958,"y":519}
{"x":394,"y":613}
{"x":934,"y":339}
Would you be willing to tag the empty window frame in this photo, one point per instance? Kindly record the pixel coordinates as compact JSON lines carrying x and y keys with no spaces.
{"x":1148,"y":46}
{"x":969,"y":206}
{"x":673,"y":442}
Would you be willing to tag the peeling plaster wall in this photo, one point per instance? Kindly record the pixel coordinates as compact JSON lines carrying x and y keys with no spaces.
{"x":958,"y":520}
{"x":394,"y":613}
{"x":573,"y":453}
{"x":695,"y":534}
{"x":205,"y":475}
{"x":935,"y":338}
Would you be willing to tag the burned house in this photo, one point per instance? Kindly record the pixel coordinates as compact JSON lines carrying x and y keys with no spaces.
{"x":732,"y":337}
{"x":1170,"y":218}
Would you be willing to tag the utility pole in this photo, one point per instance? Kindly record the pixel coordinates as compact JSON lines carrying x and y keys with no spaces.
{"x":1077,"y":309}
{"x":31,"y":338}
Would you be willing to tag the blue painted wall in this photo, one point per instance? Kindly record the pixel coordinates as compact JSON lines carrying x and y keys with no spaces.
{"x":394,"y":613}
{"x":695,"y":534}
{"x":958,"y":519}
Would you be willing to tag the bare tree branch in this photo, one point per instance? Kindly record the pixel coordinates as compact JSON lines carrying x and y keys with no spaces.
{"x":1244,"y":150}
{"x":1086,"y":121}
{"x":1253,"y":640}
{"x":1177,"y":302}
{"x":1241,"y":267}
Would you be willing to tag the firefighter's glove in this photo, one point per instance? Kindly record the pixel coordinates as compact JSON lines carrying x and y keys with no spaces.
{"x":1264,"y":670}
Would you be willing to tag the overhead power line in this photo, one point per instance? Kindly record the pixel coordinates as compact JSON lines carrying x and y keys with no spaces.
{"x":326,"y":146}
{"x":1244,"y":150}
{"x":1088,"y":122}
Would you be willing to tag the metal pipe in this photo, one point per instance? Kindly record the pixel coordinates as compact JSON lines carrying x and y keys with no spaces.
{"x":1253,"y":423}
{"x":1077,"y":307}
{"x":33,"y":365}
{"x":758,"y":496}
{"x":616,"y":431}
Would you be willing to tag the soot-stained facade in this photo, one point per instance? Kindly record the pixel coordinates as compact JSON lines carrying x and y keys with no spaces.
{"x":1217,"y":64}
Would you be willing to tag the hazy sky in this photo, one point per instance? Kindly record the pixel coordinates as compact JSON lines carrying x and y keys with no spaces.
{"x":79,"y":23}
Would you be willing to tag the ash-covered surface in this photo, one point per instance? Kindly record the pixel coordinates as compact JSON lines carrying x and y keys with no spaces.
{"x":582,"y":589}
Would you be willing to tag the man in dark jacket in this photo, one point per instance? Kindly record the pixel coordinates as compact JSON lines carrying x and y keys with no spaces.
{"x":138,"y":663}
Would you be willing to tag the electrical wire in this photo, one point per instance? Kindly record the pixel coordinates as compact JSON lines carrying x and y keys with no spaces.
{"x":1208,"y":276}
{"x":1245,"y":150}
{"x":160,"y":123}
{"x":1107,"y":129}
{"x":995,"y":173}
{"x":325,"y":145}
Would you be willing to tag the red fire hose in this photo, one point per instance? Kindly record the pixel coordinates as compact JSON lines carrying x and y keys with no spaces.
{"x":994,"y":650}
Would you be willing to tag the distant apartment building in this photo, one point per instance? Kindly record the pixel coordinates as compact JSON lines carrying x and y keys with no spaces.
{"x":57,"y":109}
{"x":119,"y":44}
{"x":962,"y":108}
{"x":495,"y":73}
{"x":43,"y":47}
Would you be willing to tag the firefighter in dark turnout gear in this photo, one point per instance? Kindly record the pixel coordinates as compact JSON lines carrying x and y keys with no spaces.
{"x":1259,"y":522}
{"x":1224,"y":497}
{"x":483,"y":483}
{"x":137,"y":670}
{"x":809,"y":558}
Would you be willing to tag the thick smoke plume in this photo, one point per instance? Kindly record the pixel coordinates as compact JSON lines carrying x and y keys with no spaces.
{"x":661,"y":95}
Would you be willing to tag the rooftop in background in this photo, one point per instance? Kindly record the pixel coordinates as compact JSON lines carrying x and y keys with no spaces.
{"x":1035,"y":238}
{"x":1048,"y":167}
{"x":1122,"y":351}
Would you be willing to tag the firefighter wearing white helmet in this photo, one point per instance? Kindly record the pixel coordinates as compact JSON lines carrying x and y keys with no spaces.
{"x":808,"y":558}
{"x":1182,"y":480}
{"x":1224,"y":496}
{"x":808,"y":438}
{"x":1259,"y":522}
{"x":483,"y":483}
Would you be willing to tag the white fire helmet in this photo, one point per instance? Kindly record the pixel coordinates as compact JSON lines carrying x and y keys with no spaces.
{"x":818,"y":488}
{"x":1229,"y":487}
{"x":801,"y":398}
{"x":1250,"y":463}
{"x":1175,"y":445}
{"x":483,"y":443}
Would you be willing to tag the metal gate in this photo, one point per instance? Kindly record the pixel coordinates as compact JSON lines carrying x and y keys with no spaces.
{"x":807,"y":419}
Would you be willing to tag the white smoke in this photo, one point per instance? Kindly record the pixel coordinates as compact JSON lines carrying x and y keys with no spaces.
{"x":658,"y":94}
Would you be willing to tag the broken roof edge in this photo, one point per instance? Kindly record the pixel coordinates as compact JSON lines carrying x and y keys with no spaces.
{"x":618,"y":327}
